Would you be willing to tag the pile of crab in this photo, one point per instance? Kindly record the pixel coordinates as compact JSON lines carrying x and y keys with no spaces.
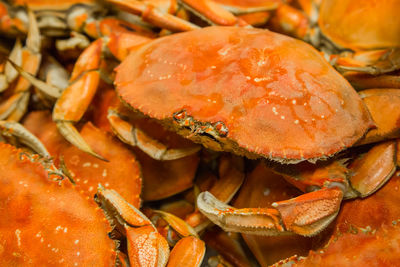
{"x":199,"y":133}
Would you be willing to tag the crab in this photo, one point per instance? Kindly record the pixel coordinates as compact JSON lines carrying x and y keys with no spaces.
{"x":161,"y":178}
{"x":261,"y":188}
{"x":45,"y":220}
{"x":122,"y":172}
{"x":248,"y":97}
{"x":341,"y":25}
{"x":255,"y":13}
{"x":60,"y":18}
{"x":56,"y":18}
{"x":214,"y":12}
{"x":373,"y":229}
{"x":146,"y":246}
{"x":16,"y":87}
{"x":250,"y":92}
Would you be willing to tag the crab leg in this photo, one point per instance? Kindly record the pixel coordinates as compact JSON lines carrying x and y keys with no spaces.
{"x":212,"y":12}
{"x":291,"y":21}
{"x":3,"y":78}
{"x":85,"y":79}
{"x":366,"y":81}
{"x":373,"y":62}
{"x":190,"y":250}
{"x":383,"y":106}
{"x":20,"y":108}
{"x":220,"y":14}
{"x":15,"y":107}
{"x":9,"y":25}
{"x":136,"y":137}
{"x":309,"y":213}
{"x":243,"y":9}
{"x":16,"y":56}
{"x":146,"y":247}
{"x":10,"y":128}
{"x":231,"y":177}
{"x":75,"y":99}
{"x":153,"y":15}
{"x":372,"y":171}
{"x":306,"y":215}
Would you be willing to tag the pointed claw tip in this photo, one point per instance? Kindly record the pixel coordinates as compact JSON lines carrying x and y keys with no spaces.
{"x":72,"y":135}
{"x":94,"y":154}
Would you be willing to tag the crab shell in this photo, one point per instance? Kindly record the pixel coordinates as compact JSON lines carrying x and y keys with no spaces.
{"x":45,"y":222}
{"x":248,"y":91}
{"x":359,"y":24}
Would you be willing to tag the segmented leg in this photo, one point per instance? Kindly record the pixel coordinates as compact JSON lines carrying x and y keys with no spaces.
{"x":366,"y":81}
{"x":371,"y":62}
{"x":10,"y":74}
{"x":249,"y":8}
{"x":15,"y":107}
{"x":146,"y":247}
{"x":75,"y":99}
{"x":136,"y":137}
{"x":231,"y":177}
{"x":305,"y":215}
{"x":12,"y":25}
{"x":11,"y":128}
{"x":152,"y":14}
{"x":84,"y":81}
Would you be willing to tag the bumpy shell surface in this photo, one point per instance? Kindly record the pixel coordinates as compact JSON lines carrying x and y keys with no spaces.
{"x":44,"y":222}
{"x":248,"y":91}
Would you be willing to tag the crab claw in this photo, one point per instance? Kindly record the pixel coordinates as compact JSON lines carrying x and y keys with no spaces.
{"x":24,"y":136}
{"x":74,"y":100}
{"x":179,"y":225}
{"x":305,"y":215}
{"x":29,"y":58}
{"x":44,"y":87}
{"x":146,"y":246}
{"x":189,"y":251}
{"x":150,"y":13}
{"x":136,"y":137}
{"x":372,"y":170}
{"x":250,"y":221}
{"x":70,"y":133}
{"x":372,"y":62}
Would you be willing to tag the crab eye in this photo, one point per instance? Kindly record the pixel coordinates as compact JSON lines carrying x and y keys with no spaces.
{"x":221,"y":128}
{"x":180,"y":115}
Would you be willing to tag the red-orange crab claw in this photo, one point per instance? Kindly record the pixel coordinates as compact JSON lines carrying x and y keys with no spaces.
{"x":147,"y":247}
{"x":248,"y":91}
{"x":308,"y":214}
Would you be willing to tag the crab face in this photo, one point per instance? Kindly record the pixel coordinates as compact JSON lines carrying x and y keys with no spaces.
{"x":247,"y":91}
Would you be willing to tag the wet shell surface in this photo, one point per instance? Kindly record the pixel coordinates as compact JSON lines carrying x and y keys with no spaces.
{"x":248,"y":91}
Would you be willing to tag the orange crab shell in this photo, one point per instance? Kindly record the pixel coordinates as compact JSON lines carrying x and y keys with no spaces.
{"x":370,"y":225}
{"x":249,"y":91}
{"x":122,"y":171}
{"x":46,"y":222}
{"x":359,"y":25}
